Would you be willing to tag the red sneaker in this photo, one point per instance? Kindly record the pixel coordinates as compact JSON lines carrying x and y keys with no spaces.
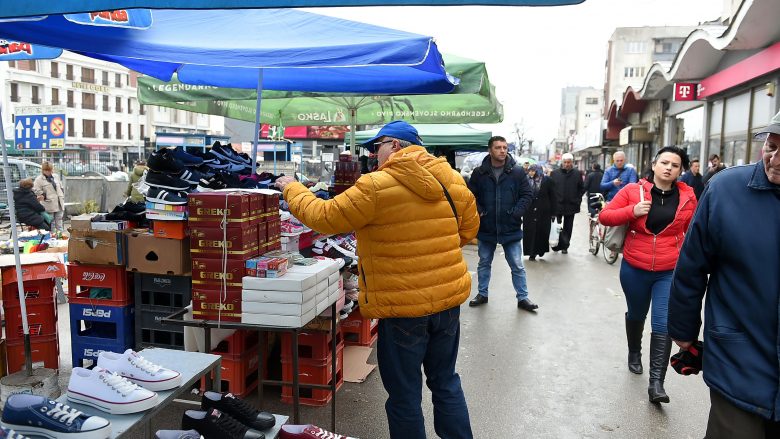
{"x":308,"y":432}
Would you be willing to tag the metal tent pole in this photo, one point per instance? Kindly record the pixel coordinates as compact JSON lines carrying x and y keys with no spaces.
{"x":257,"y":119}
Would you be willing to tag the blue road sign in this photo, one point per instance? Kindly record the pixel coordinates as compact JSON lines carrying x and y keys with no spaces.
{"x":40,"y":131}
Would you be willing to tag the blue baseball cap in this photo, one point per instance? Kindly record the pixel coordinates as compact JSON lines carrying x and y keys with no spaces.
{"x":397,"y":129}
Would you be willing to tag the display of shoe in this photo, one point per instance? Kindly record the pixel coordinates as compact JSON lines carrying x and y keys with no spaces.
{"x":206,"y":156}
{"x":7,"y":433}
{"x":238,"y":409}
{"x":109,"y":392}
{"x":163,"y":196}
{"x":214,"y":424}
{"x":166,"y":181}
{"x":185,"y":157}
{"x":164,"y":161}
{"x":308,"y":432}
{"x":190,"y":175}
{"x":226,"y":152}
{"x":527,"y":305}
{"x":177,"y":434}
{"x":139,"y":370}
{"x":214,"y":183}
{"x":290,"y":229}
{"x":37,"y":415}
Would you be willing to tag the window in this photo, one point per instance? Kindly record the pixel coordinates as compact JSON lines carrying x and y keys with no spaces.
{"x":12,"y":64}
{"x":14,"y":92}
{"x":71,"y":127}
{"x":665,"y":47}
{"x":106,"y":133}
{"x":142,"y":132}
{"x":117,"y":80}
{"x":118,"y":107}
{"x":141,"y":110}
{"x":88,"y":101}
{"x":591,"y":101}
{"x":633,"y":72}
{"x":55,"y":70}
{"x":27,"y":65}
{"x":88,"y":128}
{"x":71,"y":103}
{"x":105,"y":78}
{"x":105,"y":102}
{"x":87,"y":75}
{"x":36,"y":97}
{"x":129,"y":106}
{"x":119,"y":130}
{"x":55,"y":96}
{"x":635,"y":47}
{"x":129,"y":131}
{"x":69,"y":72}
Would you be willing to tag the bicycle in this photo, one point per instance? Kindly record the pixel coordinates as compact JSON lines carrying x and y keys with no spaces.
{"x":596,"y":236}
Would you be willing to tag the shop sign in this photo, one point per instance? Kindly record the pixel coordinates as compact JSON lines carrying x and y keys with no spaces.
{"x":685,"y":91}
{"x":90,"y":87}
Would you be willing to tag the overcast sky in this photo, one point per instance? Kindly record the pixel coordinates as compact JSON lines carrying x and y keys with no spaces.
{"x":532,"y":53}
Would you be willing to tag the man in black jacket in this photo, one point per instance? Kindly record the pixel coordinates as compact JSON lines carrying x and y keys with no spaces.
{"x":503,"y":194}
{"x":593,"y":185}
{"x":569,"y":189}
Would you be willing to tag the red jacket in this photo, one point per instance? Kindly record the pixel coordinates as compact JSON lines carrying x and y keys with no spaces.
{"x":642,"y":249}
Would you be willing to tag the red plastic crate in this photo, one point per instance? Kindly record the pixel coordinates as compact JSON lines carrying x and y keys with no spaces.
{"x":242,"y":341}
{"x":239,"y":376}
{"x":41,"y":318}
{"x":311,"y":374}
{"x":83,"y":277}
{"x":44,"y":349}
{"x":311,"y":345}
{"x":44,"y":270}
{"x":40,"y":290}
{"x":359,"y":331}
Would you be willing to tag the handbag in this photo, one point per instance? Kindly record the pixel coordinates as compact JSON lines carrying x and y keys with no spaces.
{"x":615,"y":236}
{"x":555,"y":234}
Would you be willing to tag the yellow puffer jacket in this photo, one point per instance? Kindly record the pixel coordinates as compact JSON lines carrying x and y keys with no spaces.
{"x":409,"y":244}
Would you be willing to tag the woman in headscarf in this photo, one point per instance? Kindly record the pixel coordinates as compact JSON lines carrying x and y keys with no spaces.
{"x":538,"y":218}
{"x":48,"y":185}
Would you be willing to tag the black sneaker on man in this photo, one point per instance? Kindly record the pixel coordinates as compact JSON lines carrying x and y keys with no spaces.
{"x":215,"y":424}
{"x":166,"y":181}
{"x":238,"y":409}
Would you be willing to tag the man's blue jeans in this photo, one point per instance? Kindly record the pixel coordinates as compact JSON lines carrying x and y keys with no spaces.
{"x":404,"y":345}
{"x":513,"y":251}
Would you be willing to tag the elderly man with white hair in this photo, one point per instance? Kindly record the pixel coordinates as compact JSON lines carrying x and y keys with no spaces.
{"x":618,"y":175}
{"x":569,"y":188}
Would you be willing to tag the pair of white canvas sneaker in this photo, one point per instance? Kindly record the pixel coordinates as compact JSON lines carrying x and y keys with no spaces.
{"x":121,"y":383}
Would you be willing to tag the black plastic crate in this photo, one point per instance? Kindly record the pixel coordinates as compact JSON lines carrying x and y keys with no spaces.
{"x":163,"y":283}
{"x":160,"y":339}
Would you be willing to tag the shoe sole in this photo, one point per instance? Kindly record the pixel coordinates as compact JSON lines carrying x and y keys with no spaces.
{"x":112,"y":408}
{"x":170,"y":188}
{"x":27,"y":430}
{"x":162,"y":201}
{"x":158,"y":386}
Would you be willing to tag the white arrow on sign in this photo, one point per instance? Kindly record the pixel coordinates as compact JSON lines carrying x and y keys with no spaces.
{"x":36,"y":128}
{"x":19,"y":128}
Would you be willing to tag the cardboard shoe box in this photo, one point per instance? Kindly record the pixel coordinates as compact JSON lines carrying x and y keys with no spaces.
{"x":97,"y":247}
{"x":211,"y":208}
{"x":208,"y":273}
{"x":210,"y":304}
{"x":213,"y":242}
{"x":149,"y":254}
{"x":170,"y":229}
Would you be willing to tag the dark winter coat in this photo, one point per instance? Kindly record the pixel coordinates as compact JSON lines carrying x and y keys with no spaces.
{"x":568,"y":190}
{"x":694,"y":181}
{"x":501,"y":203}
{"x":593,"y":182}
{"x":731,"y":253}
{"x":28,"y":208}
{"x":537,"y":220}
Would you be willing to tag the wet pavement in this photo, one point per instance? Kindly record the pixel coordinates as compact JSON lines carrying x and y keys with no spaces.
{"x":557,"y":373}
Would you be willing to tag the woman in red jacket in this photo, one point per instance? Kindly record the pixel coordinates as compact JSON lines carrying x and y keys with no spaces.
{"x":658,"y":210}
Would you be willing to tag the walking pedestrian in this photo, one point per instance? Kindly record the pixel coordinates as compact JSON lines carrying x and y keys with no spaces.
{"x":657,"y":210}
{"x":715,"y":166}
{"x":411,"y":218}
{"x":731,"y":254}
{"x":537,"y":219}
{"x":693,"y":178}
{"x":503,"y":196}
{"x":569,"y":188}
{"x":49,"y":186}
{"x":618,"y":175}
{"x":593,"y":186}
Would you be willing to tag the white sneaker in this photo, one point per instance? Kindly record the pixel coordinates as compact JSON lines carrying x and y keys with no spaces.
{"x":108,"y":392}
{"x":139,"y":370}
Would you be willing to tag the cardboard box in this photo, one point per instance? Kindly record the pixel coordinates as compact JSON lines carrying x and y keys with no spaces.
{"x":277,"y":320}
{"x":266,"y":267}
{"x":170,"y":229}
{"x":117,"y":225}
{"x":97,"y":247}
{"x":274,"y":229}
{"x":269,"y":296}
{"x":213,"y":207}
{"x":282,"y":309}
{"x":82,"y":222}
{"x":262,"y":233}
{"x":209,"y":304}
{"x":323,"y":269}
{"x":234,"y":243}
{"x":149,"y":254}
{"x":289,"y":282}
{"x":208,"y":273}
{"x":271,"y":203}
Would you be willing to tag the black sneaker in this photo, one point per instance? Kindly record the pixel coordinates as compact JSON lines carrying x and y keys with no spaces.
{"x":206,"y":156}
{"x":226,"y":152}
{"x":190,"y":175}
{"x":238,"y":409}
{"x":166,"y":181}
{"x":163,"y":196}
{"x":214,"y":183}
{"x":185,"y":157}
{"x":215,"y":424}
{"x":164,"y":161}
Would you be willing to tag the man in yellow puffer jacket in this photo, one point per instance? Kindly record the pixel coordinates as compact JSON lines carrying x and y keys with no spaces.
{"x":412,"y":273}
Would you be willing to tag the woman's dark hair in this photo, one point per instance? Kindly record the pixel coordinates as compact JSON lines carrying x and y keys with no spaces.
{"x":684,"y":160}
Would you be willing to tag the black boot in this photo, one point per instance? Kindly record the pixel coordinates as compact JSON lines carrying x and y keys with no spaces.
{"x":634,"y":336}
{"x":660,"y":350}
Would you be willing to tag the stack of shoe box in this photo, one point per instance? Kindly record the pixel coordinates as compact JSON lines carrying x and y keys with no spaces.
{"x":39,"y":293}
{"x":224,"y":232}
{"x":346,"y":174}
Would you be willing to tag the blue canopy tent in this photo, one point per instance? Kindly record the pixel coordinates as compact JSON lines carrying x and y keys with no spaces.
{"x":278,"y":49}
{"x":43,"y":7}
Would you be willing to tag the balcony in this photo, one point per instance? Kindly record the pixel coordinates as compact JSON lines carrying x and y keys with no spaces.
{"x":89,"y":106}
{"x":36,"y":101}
{"x":106,"y":135}
{"x":15,"y":98}
{"x":71,"y":104}
{"x":55,"y":102}
{"x":118,"y":109}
